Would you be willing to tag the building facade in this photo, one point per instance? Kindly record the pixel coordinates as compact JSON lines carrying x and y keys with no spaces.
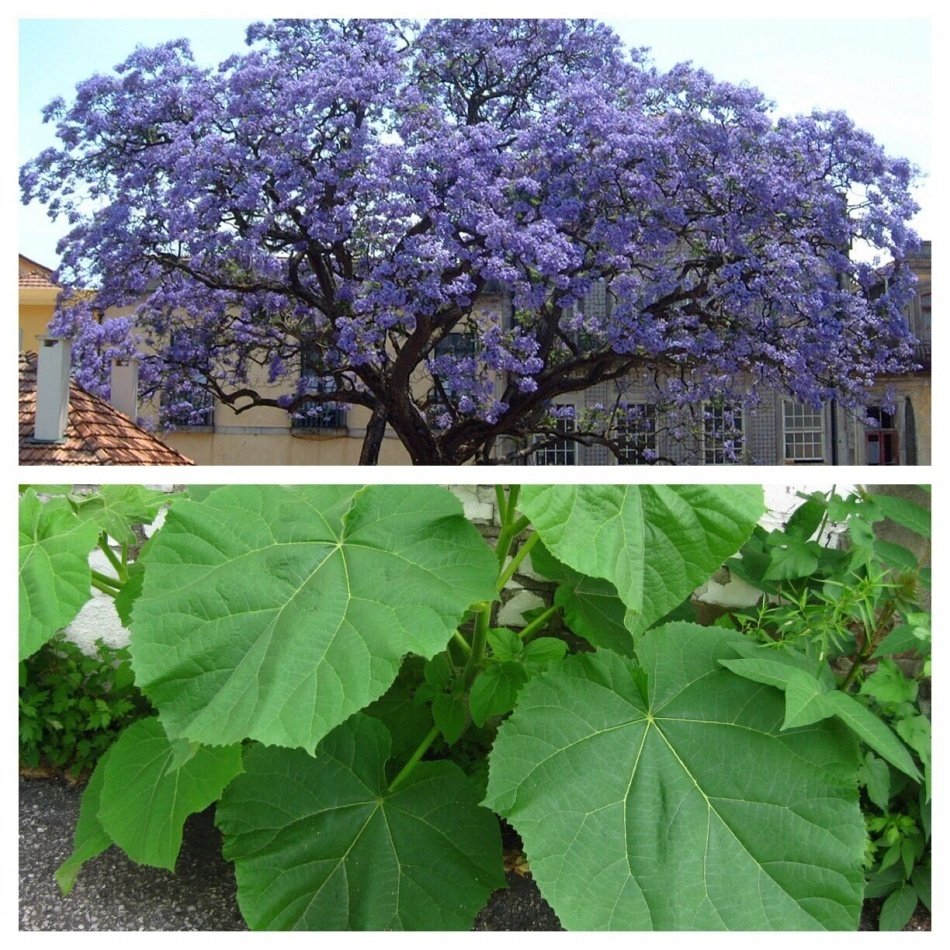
{"x":779,"y":431}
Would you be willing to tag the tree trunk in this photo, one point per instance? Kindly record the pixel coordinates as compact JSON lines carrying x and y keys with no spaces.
{"x":414,"y":433}
{"x":375,"y":430}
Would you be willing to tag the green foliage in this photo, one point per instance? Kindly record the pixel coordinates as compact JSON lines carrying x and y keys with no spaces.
{"x":163,"y":781}
{"x":90,"y":838}
{"x":54,"y":568}
{"x":73,"y":706}
{"x":323,"y":842}
{"x":851,"y":639}
{"x":729,"y":794}
{"x":275,"y":613}
{"x":328,"y":667}
{"x":653,"y":543}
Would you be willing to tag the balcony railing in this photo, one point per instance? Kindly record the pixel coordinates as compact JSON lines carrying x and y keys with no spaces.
{"x":317,"y":416}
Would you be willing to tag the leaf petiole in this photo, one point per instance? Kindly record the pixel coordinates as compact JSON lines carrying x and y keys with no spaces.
{"x":537,"y":623}
{"x":118,"y":565}
{"x":517,"y":560}
{"x":108,"y":585}
{"x":479,"y":640}
{"x":406,"y":770}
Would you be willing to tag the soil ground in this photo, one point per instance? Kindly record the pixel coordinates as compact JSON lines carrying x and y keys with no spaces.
{"x":114,"y":893}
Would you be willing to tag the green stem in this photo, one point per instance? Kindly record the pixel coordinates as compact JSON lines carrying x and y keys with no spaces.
{"x":113,"y":560}
{"x":462,"y":642}
{"x":406,"y":770}
{"x":479,"y":639}
{"x":501,"y":499}
{"x":505,"y":538}
{"x":883,"y":624}
{"x":513,"y":492}
{"x":538,"y":622}
{"x":517,"y":560}
{"x":106,"y":584}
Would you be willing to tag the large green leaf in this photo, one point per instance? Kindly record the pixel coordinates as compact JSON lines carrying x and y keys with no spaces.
{"x":89,"y":838}
{"x":590,"y":605}
{"x":274,"y":613}
{"x":904,"y":512}
{"x":808,"y":700}
{"x":54,"y":568}
{"x":115,"y":509}
{"x":654,"y":543}
{"x":151,"y":785}
{"x":667,"y":796}
{"x":320,"y":843}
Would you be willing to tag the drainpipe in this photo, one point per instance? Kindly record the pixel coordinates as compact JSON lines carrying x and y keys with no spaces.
{"x":834,"y":431}
{"x":52,"y":389}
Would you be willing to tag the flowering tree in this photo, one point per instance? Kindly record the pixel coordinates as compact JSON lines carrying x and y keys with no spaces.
{"x":332,"y":208}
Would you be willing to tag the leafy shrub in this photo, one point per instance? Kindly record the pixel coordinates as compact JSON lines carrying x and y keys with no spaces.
{"x":327,"y":668}
{"x":858,"y":608}
{"x":73,"y":706}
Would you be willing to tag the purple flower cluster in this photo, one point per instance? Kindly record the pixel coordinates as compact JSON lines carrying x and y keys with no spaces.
{"x":353,"y":192}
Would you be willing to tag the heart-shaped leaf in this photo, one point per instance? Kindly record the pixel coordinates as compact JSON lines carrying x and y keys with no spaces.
{"x":116,"y":508}
{"x":274,"y":612}
{"x":666,"y":796}
{"x":320,"y":843}
{"x":151,"y":785}
{"x":654,"y":543}
{"x":590,"y":605}
{"x":54,"y":568}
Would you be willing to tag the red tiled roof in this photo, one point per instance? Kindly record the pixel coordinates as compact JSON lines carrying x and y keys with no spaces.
{"x":97,"y":434}
{"x":35,"y":275}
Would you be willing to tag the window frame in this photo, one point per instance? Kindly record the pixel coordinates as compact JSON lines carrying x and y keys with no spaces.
{"x":884,"y":435}
{"x":800,"y":428}
{"x":565,"y":446}
{"x":645,"y":440}
{"x":721,"y":408}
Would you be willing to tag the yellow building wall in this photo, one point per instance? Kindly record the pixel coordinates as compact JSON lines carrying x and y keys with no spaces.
{"x":277,"y":447}
{"x":34,"y":317}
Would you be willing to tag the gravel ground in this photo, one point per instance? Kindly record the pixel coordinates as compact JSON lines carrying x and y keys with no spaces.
{"x":114,"y":893}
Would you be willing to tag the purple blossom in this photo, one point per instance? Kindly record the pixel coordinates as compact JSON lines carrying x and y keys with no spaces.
{"x":353,"y":194}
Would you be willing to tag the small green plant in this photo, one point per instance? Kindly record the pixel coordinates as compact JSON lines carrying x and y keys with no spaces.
{"x":73,"y":706}
{"x":329,"y":671}
{"x":855,"y":609}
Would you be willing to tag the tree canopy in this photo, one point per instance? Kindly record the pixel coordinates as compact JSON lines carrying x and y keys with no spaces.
{"x":342,"y":197}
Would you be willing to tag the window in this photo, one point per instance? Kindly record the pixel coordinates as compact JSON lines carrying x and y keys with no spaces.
{"x":881,"y":445}
{"x":804,"y":434}
{"x":586,"y":317}
{"x":312,"y":413}
{"x":186,"y":401}
{"x":558,"y":451}
{"x":636,"y":433}
{"x":723,"y":440}
{"x":457,"y":344}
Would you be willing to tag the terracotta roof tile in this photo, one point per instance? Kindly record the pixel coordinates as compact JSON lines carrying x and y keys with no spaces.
{"x":35,"y":279}
{"x":97,"y":434}
{"x":35,"y":275}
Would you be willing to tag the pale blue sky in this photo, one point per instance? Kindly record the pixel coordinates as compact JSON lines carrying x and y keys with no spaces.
{"x":876,"y":69}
